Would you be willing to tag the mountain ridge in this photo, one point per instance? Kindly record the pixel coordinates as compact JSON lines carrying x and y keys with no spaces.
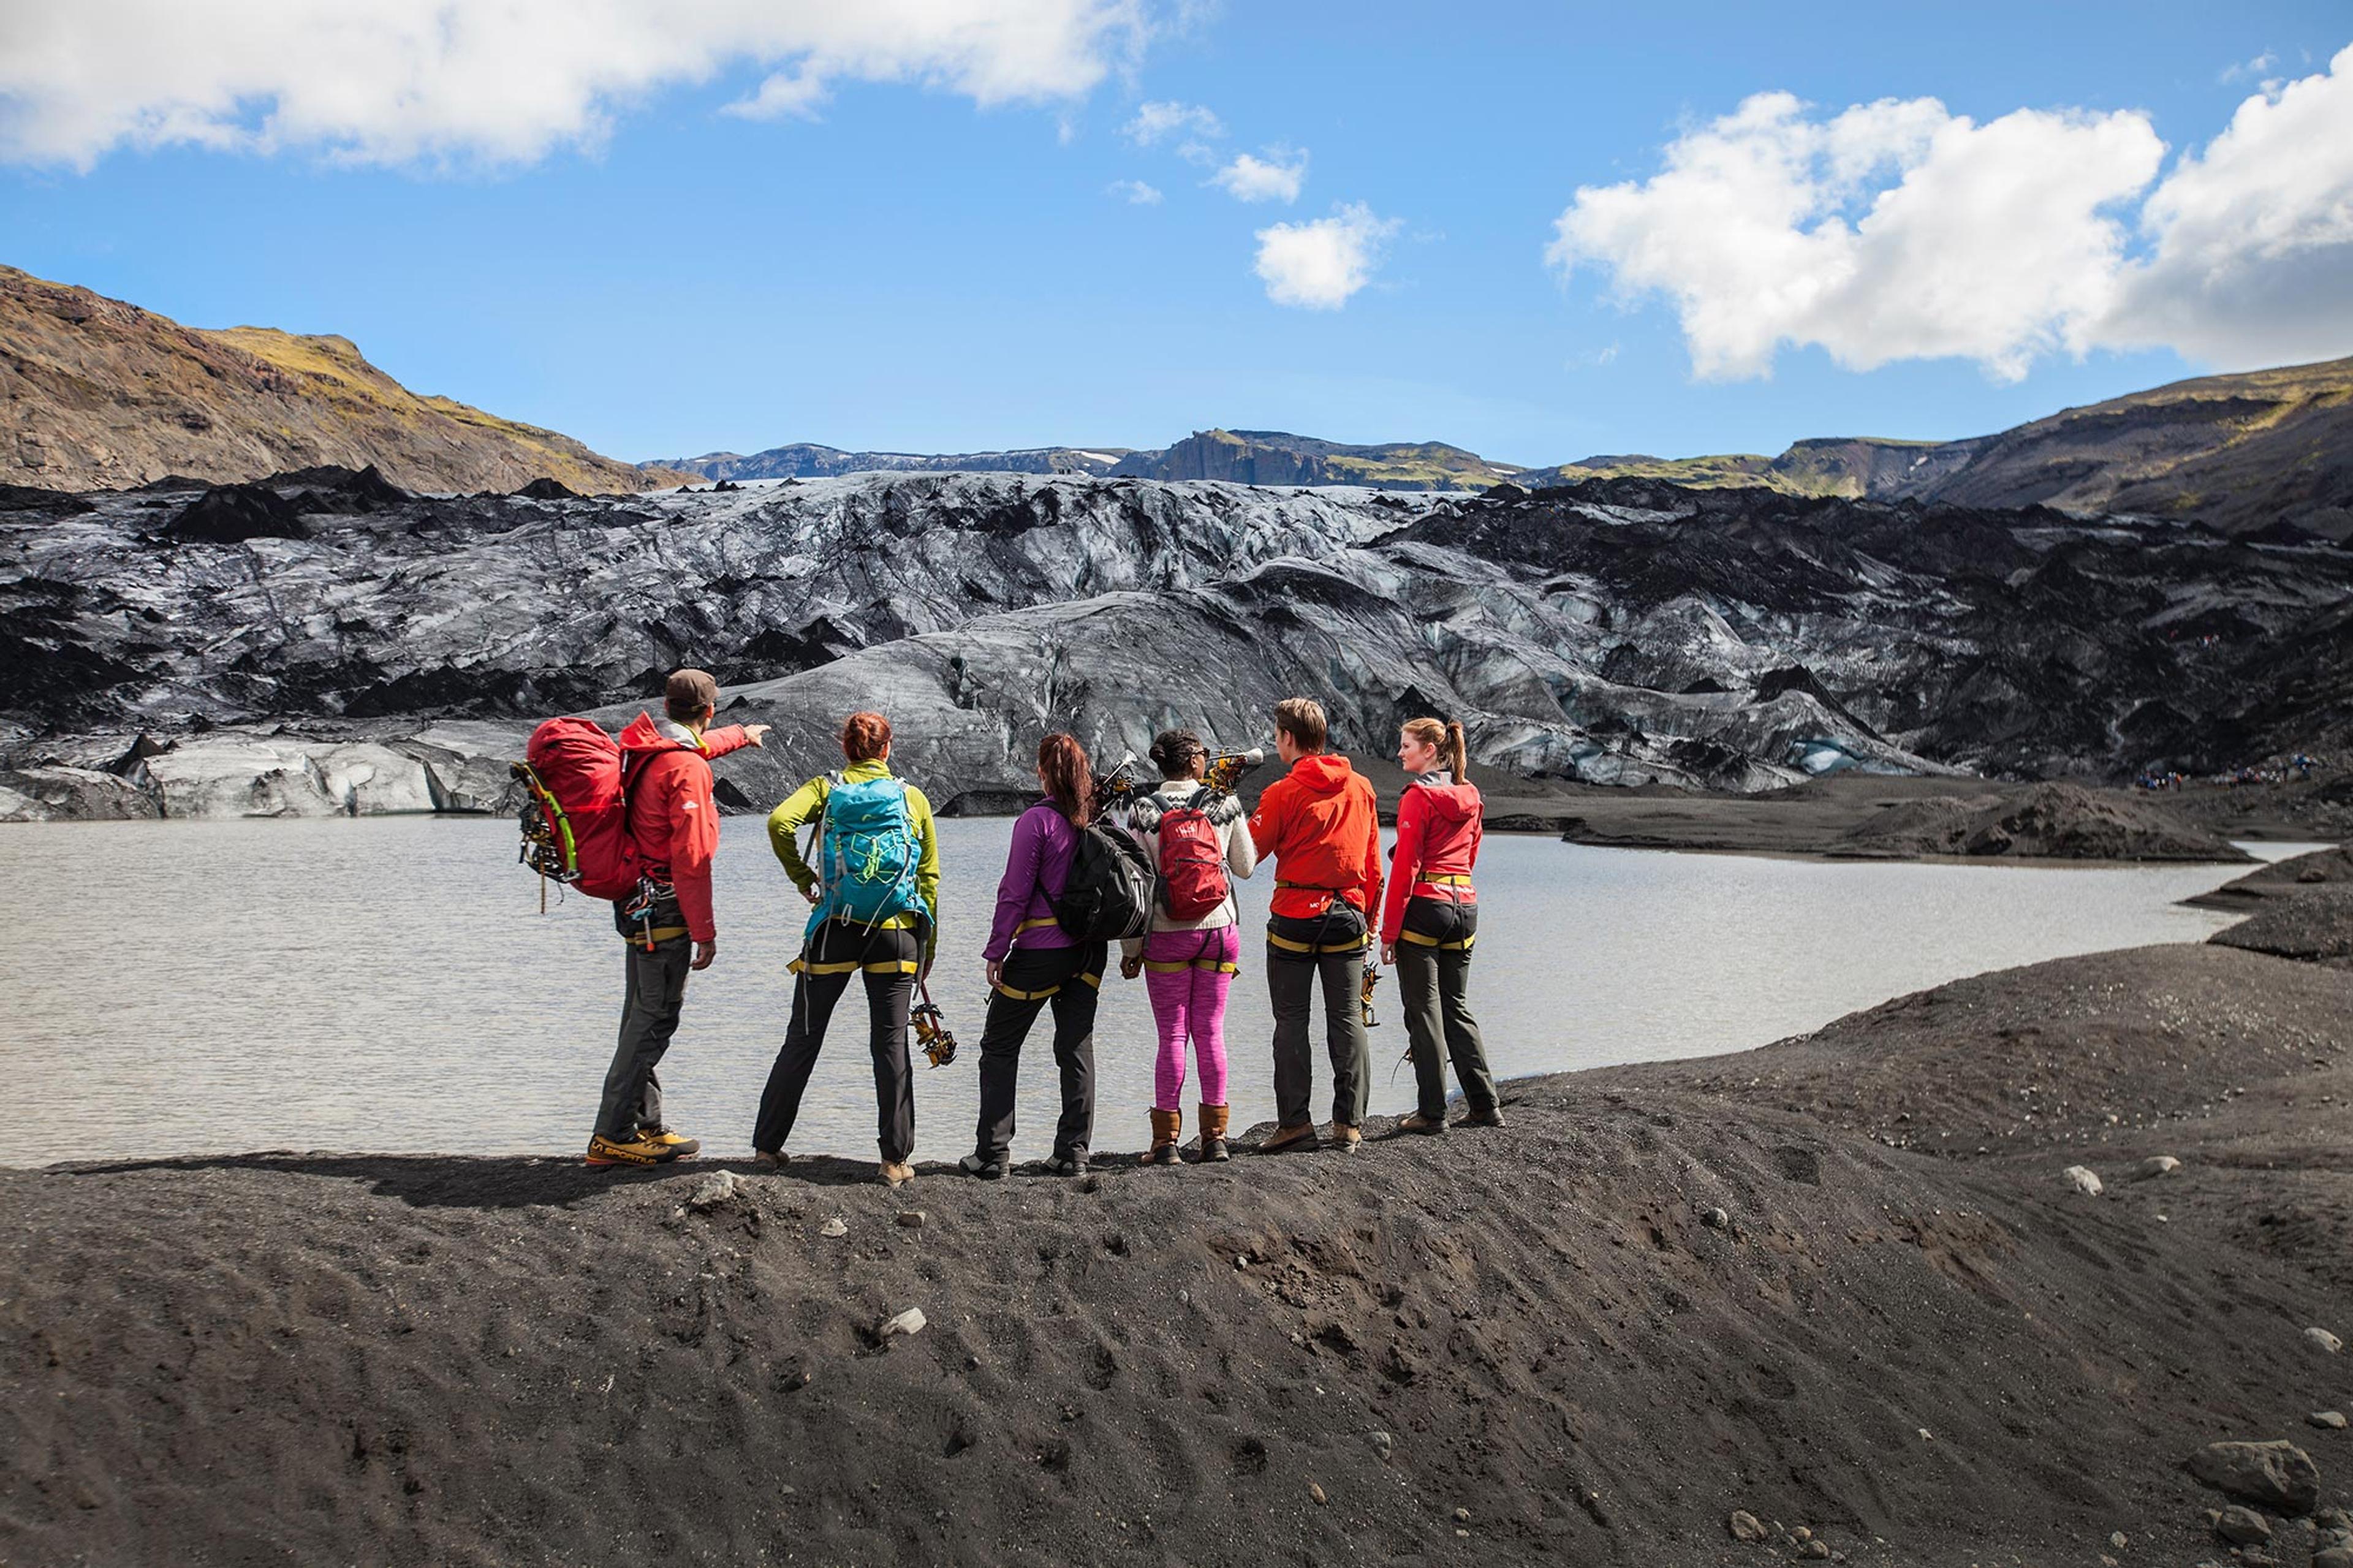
{"x":2241,"y":451}
{"x":100,"y":393}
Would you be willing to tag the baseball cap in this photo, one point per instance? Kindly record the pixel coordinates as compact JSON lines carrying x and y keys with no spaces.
{"x":690,"y":690}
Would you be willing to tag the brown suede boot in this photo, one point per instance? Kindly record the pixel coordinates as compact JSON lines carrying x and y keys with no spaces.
{"x":1213,"y":1134}
{"x":1168,"y":1126}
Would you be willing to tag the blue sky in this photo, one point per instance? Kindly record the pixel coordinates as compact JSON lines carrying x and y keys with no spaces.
{"x":906,"y":269}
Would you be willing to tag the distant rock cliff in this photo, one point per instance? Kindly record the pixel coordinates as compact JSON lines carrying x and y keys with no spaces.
{"x":1279,"y":458}
{"x":807,"y":460}
{"x":2243,"y":452}
{"x":95,"y":394}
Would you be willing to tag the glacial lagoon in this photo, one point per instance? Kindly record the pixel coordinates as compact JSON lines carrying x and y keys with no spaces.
{"x":391,"y":985}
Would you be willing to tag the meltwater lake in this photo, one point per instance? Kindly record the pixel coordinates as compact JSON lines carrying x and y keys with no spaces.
{"x":389,"y":983}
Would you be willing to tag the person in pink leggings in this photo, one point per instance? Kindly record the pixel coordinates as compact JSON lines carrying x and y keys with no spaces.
{"x":1202,"y":844}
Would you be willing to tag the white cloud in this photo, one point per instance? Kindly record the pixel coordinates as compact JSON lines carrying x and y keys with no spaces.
{"x":2255,"y":70}
{"x":1898,"y":230}
{"x":1135,"y":193}
{"x":1895,"y":230}
{"x":390,"y":81}
{"x":1318,"y":265}
{"x":1274,"y":178}
{"x":1156,"y":122}
{"x":2252,"y":240}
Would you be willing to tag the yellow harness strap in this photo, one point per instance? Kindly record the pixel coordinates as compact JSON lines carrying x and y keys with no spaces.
{"x":1178,"y":965}
{"x":659,"y":933}
{"x":885,"y":966}
{"x":1288,"y":946}
{"x":1033,"y":925}
{"x":1008,"y":991}
{"x":1418,"y":940}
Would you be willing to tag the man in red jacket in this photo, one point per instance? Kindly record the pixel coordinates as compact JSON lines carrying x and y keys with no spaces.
{"x":1320,"y":825}
{"x":674,"y":824}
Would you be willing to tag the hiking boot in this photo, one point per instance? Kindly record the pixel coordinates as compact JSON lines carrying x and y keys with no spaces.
{"x":1490,"y":1117}
{"x":1344,"y":1138}
{"x":1415,"y":1121}
{"x":1213,"y":1135}
{"x":980,"y":1165}
{"x":634,"y":1150}
{"x":897,"y":1172}
{"x":1285,"y":1139}
{"x":770,"y":1159}
{"x":1168,"y":1127}
{"x":1068,"y":1163}
{"x":681,"y":1147}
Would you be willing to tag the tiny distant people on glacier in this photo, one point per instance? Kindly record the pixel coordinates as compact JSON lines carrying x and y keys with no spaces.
{"x":673,"y":825}
{"x":1429,"y":920}
{"x":1034,"y":961}
{"x":1319,"y":825}
{"x":1191,"y":952}
{"x":874,"y":894}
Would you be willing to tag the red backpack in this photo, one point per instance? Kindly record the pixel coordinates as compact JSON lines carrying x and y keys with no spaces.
{"x":576,"y":818}
{"x":1192,"y":863}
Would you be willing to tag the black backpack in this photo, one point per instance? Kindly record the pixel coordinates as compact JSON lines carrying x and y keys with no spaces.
{"x":1110,"y":891}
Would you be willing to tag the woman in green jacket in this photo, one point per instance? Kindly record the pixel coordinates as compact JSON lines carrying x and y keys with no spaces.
{"x":877,"y":897}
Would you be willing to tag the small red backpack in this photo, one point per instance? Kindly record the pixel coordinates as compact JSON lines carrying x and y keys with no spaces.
{"x":1192,"y":863}
{"x":576,"y":818}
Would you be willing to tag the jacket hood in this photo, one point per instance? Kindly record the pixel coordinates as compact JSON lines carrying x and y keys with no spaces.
{"x":1327,"y":773}
{"x":1448,"y":803}
{"x":648,"y":733}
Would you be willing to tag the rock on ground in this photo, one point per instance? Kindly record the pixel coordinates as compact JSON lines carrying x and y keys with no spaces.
{"x":2277,"y":1475}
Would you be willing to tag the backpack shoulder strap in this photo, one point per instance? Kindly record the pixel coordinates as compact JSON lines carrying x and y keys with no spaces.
{"x":824,"y":807}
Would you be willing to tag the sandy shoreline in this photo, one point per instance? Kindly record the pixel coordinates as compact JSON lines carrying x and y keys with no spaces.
{"x":1839,"y":1282}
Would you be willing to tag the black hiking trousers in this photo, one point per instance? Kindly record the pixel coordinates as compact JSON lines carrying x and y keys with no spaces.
{"x":1068,"y":980}
{"x":1433,"y":970}
{"x":888,"y":958}
{"x":1300,"y":950}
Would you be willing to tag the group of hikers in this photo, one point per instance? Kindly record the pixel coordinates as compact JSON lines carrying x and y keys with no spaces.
{"x":874,"y":897}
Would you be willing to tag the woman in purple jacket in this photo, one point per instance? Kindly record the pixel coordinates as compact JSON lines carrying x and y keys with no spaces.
{"x":1032,"y":962}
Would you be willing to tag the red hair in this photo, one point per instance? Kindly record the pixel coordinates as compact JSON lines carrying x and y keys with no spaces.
{"x":1062,"y":762}
{"x":864,"y":736}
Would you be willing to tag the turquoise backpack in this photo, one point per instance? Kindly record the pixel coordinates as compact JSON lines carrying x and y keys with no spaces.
{"x":867,"y":853}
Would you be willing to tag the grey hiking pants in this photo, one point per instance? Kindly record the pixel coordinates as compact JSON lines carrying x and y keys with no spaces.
{"x":1434,"y":988}
{"x":650,"y":1014}
{"x":1290,"y":976}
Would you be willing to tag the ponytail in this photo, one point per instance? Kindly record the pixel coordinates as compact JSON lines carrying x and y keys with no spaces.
{"x":1444,"y":736}
{"x":1070,"y":782}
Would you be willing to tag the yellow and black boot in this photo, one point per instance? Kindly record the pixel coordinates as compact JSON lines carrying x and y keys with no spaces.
{"x":1168,"y":1126}
{"x":674,"y":1145}
{"x":637,"y":1149}
{"x":1213,"y":1134}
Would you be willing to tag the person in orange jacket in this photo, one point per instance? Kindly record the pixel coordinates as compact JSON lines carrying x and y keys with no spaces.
{"x":1431,"y":918}
{"x":674,"y":824}
{"x":1319,"y":825}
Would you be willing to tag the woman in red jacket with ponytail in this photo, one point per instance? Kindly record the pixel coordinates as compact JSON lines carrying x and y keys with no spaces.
{"x":1429,"y":920}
